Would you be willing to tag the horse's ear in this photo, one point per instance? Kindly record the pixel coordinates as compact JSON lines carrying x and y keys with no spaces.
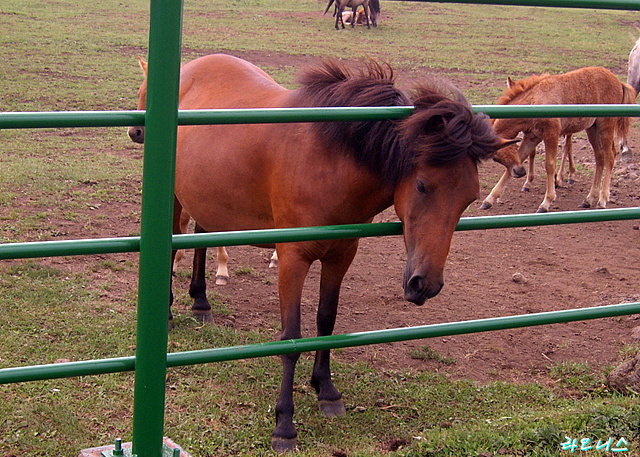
{"x":504,"y":143}
{"x":143,"y":65}
{"x":510,"y":82}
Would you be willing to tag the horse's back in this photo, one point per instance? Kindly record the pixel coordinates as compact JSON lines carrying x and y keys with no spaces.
{"x":224,"y":81}
{"x":589,"y":85}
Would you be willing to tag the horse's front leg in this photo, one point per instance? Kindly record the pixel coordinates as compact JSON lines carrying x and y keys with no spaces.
{"x":293,"y":268}
{"x":201,"y":308}
{"x":550,"y":158}
{"x":497,"y":191}
{"x":334,"y":267}
{"x":366,"y":14}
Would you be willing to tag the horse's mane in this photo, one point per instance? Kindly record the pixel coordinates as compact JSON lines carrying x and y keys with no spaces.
{"x":520,"y":87}
{"x":441,"y":130}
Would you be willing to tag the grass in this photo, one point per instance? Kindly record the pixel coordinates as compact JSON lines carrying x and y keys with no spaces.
{"x":63,"y":55}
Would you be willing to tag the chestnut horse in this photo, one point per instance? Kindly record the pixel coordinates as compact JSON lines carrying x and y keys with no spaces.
{"x":592,"y":85}
{"x":260,"y":176}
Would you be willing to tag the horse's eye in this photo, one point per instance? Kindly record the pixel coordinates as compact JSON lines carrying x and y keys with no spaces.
{"x":420,"y":187}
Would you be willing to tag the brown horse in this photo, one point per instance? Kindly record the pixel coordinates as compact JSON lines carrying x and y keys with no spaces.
{"x":259,"y":176}
{"x":592,"y":85}
{"x":371,"y":11}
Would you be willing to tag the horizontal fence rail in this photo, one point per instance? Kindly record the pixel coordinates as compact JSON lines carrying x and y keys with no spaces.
{"x":33,"y":249}
{"x":273,"y":348}
{"x":58,"y":119}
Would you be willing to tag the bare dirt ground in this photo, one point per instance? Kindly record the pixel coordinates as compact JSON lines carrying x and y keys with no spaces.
{"x":557,"y":267}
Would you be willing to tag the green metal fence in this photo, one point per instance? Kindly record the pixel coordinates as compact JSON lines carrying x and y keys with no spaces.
{"x":156,"y":241}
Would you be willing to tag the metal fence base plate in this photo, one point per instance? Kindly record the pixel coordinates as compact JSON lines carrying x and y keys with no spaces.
{"x":168,"y":447}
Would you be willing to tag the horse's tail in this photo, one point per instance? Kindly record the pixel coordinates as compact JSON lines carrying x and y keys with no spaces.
{"x":623,"y":123}
{"x":375,"y":6}
{"x":328,"y":6}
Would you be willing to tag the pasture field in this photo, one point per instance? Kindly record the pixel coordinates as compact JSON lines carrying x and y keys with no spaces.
{"x":508,"y":393}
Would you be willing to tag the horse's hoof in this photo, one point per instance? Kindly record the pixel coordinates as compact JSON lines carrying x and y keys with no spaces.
{"x":203,"y":316}
{"x":273,"y":264}
{"x":585,"y":204}
{"x":284,"y":444}
{"x":542,"y":210}
{"x":222,"y":280}
{"x":332,"y":408}
{"x":525,"y":189}
{"x":571,"y":181}
{"x":170,"y":325}
{"x":485,"y":205}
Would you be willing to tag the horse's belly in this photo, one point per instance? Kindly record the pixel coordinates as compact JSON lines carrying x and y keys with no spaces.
{"x":572,"y":125}
{"x":221,"y":185}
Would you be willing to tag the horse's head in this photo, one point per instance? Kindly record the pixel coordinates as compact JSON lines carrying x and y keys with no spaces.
{"x":137,"y":133}
{"x":446,"y":140}
{"x":509,"y":155}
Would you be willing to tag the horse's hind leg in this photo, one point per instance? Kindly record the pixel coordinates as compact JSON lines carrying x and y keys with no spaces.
{"x":273,"y":263}
{"x":339,"y":16}
{"x":333,"y":270}
{"x":600,"y":150}
{"x":222,"y":275}
{"x":177,"y":227}
{"x":567,"y":155}
{"x":201,"y":308}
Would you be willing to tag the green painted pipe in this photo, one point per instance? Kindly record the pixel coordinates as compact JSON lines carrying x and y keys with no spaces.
{"x":132,"y":244}
{"x":154,"y":277}
{"x":175,"y":359}
{"x":16,"y":120}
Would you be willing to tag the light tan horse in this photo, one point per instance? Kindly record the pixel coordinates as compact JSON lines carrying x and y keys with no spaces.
{"x":259,"y":176}
{"x":592,"y":85}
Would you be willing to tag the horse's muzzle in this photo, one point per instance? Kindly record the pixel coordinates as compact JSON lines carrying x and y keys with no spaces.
{"x":518,"y":171}
{"x":418,"y":290}
{"x":136,"y":134}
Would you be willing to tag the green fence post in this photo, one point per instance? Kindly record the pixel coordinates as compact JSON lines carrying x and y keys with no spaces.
{"x":161,"y":122}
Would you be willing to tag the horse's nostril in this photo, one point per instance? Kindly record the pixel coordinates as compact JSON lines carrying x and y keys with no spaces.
{"x":416,"y":284}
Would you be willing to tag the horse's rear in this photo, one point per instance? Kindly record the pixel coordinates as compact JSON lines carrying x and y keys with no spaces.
{"x":592,"y":85}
